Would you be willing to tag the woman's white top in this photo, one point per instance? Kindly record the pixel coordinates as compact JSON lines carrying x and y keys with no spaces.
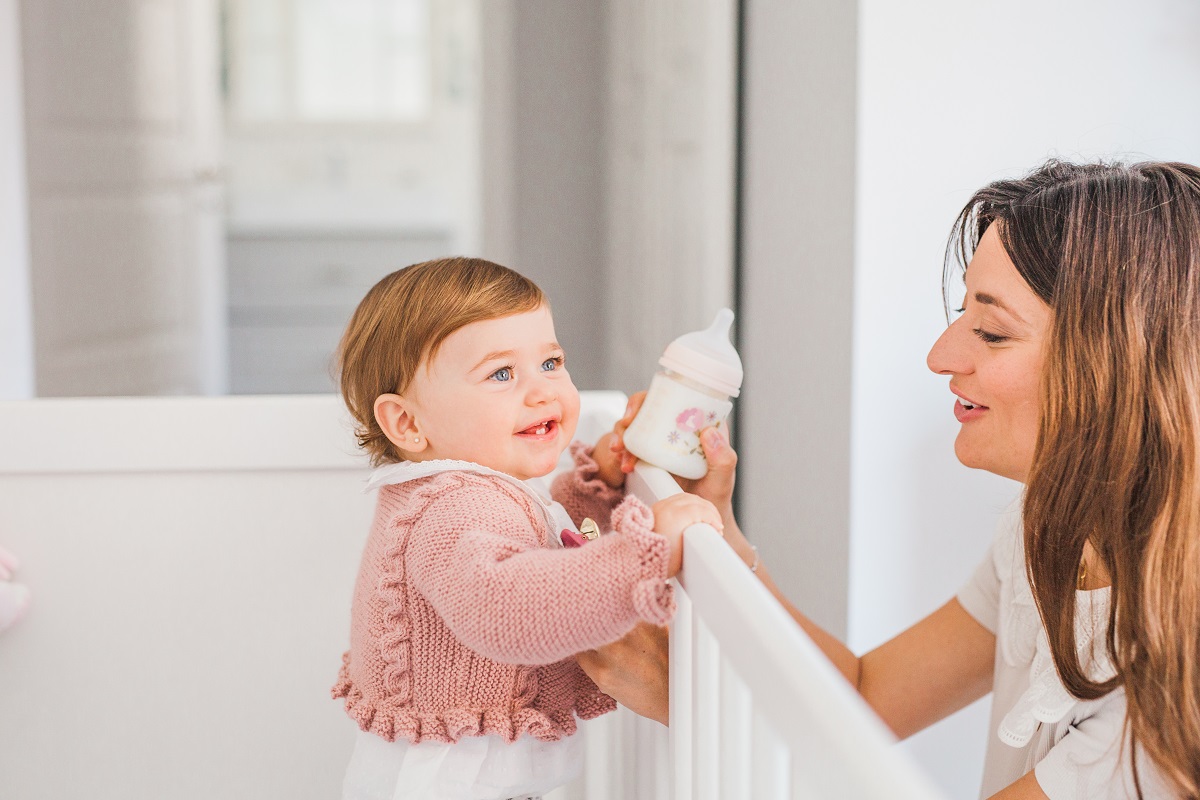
{"x":475,"y":767}
{"x":1075,"y":747}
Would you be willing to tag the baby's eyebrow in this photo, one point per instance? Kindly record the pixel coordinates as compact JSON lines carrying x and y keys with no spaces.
{"x":495,"y":355}
{"x":508,"y":355}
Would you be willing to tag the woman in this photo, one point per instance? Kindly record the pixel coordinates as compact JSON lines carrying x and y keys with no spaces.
{"x":1075,"y":361}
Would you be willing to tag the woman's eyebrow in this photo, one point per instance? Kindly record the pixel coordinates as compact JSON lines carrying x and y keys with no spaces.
{"x":991,"y":300}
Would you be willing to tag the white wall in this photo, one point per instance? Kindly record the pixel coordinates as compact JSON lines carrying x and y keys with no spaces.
{"x":16,"y":326}
{"x":951,"y":96}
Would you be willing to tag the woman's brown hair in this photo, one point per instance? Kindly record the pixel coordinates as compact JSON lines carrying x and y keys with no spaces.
{"x":405,"y":318}
{"x":1114,"y":250}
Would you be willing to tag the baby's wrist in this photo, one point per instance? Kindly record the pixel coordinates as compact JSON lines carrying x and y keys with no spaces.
{"x":608,"y":462}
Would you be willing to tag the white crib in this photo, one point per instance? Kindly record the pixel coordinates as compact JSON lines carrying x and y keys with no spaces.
{"x":192,"y":561}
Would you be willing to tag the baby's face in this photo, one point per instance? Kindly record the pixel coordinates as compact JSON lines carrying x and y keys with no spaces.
{"x":498,"y":393}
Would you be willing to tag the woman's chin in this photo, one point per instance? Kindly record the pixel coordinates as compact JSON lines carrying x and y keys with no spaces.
{"x":973,"y":459}
{"x":968,"y":456}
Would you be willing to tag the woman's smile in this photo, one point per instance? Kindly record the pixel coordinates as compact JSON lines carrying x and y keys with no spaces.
{"x":966,"y":409}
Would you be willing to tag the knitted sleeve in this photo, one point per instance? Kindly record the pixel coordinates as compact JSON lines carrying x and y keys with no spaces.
{"x":582,"y":492}
{"x":474,"y":555}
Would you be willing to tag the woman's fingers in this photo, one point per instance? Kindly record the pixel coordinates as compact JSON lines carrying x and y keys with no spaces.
{"x":717,"y":485}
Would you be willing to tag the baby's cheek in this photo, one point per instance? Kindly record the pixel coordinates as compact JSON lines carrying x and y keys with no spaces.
{"x":571,"y":413}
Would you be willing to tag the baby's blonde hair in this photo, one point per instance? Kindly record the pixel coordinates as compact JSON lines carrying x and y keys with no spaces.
{"x":405,"y":318}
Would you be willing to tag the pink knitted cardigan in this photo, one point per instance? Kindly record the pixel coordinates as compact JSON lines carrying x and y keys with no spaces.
{"x":466,"y":616}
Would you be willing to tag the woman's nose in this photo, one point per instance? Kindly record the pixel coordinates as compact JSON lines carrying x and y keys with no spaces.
{"x":947,"y":356}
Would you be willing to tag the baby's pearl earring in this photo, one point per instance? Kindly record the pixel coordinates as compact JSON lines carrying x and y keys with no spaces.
{"x":416,"y":440}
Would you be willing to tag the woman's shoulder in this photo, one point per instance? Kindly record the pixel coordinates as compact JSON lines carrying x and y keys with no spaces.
{"x":1008,"y":542}
{"x":1019,"y":623}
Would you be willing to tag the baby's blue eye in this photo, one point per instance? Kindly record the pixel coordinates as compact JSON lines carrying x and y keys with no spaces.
{"x":551,"y":364}
{"x":503,"y":375}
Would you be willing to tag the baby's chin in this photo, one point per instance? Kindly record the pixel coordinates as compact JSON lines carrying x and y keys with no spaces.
{"x":528,"y":470}
{"x":542,"y":470}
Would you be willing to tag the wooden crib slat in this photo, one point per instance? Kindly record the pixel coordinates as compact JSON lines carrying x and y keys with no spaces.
{"x":706,"y":731}
{"x":682,"y":701}
{"x":770,"y":761}
{"x":735,"y":734}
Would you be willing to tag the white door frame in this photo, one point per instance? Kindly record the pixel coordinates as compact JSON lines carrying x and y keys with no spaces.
{"x":16,"y":316}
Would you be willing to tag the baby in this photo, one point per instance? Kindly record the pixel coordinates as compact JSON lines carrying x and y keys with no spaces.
{"x":468,"y":607}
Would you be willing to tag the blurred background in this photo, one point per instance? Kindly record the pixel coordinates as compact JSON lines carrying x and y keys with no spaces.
{"x":195,"y":194}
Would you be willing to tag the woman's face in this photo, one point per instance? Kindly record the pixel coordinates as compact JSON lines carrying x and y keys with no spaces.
{"x":993,"y":354}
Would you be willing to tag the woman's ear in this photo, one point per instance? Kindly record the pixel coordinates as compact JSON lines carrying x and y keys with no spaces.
{"x":398,"y":424}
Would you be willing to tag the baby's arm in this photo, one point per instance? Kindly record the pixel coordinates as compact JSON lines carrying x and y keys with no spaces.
{"x":595,"y":487}
{"x":510,"y":599}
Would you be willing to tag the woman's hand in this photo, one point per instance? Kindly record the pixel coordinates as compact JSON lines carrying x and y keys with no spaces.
{"x":634,"y":671}
{"x":716,"y":486}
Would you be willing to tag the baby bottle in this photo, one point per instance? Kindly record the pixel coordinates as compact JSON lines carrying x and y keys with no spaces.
{"x":700,"y":374}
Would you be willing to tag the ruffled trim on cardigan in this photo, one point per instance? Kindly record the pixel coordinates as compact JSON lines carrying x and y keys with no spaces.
{"x":586,"y":475}
{"x":653,"y":596}
{"x":391,"y":721}
{"x":595,"y":705}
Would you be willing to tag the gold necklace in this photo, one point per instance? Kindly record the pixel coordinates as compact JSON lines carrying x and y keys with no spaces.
{"x":1081,"y":582}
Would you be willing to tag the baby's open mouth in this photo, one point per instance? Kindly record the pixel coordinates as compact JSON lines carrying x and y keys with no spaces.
{"x":540,"y":428}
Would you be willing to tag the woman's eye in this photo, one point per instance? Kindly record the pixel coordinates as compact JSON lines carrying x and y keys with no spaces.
{"x":551,"y":364}
{"x":503,"y":375}
{"x":990,"y":338}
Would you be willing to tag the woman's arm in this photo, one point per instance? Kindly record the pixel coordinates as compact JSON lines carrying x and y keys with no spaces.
{"x":1026,"y":788}
{"x":939,"y":665}
{"x":936,"y":667}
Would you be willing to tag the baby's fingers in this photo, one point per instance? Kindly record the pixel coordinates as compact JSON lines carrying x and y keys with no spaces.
{"x":706,"y":512}
{"x":684,"y":510}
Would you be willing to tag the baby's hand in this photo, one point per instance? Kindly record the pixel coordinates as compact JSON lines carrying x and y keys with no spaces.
{"x":609,"y":462}
{"x":677,"y":512}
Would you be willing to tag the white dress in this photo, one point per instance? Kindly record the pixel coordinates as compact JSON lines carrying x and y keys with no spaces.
{"x":1075,"y":747}
{"x":476,"y":767}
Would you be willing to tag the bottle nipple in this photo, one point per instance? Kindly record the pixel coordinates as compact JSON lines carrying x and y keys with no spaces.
{"x":708,"y":356}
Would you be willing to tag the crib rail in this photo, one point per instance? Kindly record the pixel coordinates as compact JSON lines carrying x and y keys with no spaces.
{"x":756,"y":709}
